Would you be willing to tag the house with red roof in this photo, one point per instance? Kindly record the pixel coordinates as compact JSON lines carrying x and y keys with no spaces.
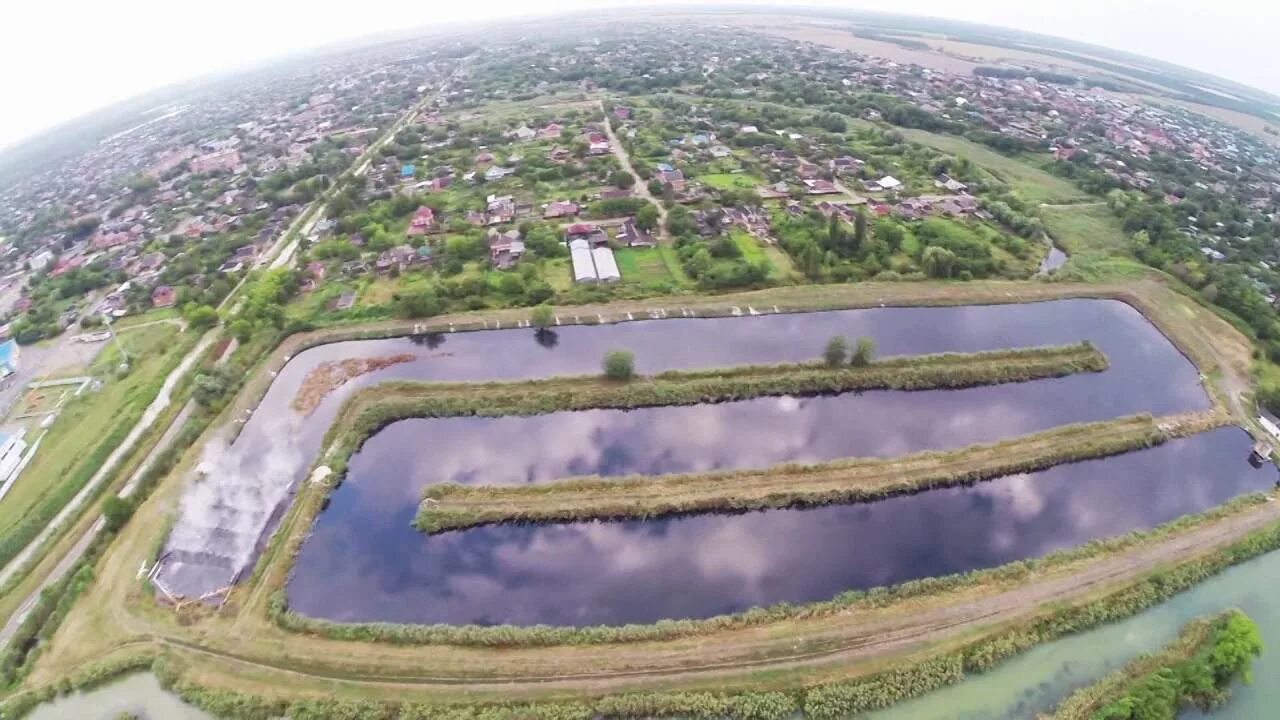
{"x":423,"y":222}
{"x":164,"y":296}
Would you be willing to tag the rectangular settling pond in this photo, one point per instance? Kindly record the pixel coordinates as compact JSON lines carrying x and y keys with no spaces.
{"x":225,"y":517}
{"x":364,"y":562}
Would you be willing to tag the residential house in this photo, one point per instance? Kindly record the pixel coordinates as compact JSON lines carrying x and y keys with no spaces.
{"x":164,"y":296}
{"x":561,"y":208}
{"x":947,"y":182}
{"x":633,"y":236}
{"x":505,"y":249}
{"x":818,"y":186}
{"x":550,"y":132}
{"x":589,"y":232}
{"x":398,"y":257}
{"x":423,"y":222}
{"x":497,"y":172}
{"x":846,"y":165}
{"x":500,"y":209}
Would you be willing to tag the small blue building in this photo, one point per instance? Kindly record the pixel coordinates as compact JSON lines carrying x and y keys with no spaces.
{"x":8,"y":358}
{"x":408,"y":170}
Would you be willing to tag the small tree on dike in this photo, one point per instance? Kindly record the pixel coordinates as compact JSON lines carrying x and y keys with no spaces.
{"x":619,"y":365}
{"x":543,"y":317}
{"x":864,"y":353}
{"x":837,"y":352}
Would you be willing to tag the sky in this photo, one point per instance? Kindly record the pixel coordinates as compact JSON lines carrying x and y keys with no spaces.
{"x":63,"y":58}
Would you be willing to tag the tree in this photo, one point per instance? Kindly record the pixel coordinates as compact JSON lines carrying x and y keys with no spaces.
{"x":542,"y":317}
{"x":647,"y":217}
{"x":619,"y":365}
{"x":241,"y":330}
{"x":209,"y":387}
{"x":836,"y":352}
{"x":890,"y":233}
{"x":938,"y":261}
{"x":116,"y":511}
{"x":864,"y":352}
{"x":622,"y":179}
{"x":668,"y":194}
{"x":200,"y":317}
{"x":421,"y":304}
{"x":860,"y":229}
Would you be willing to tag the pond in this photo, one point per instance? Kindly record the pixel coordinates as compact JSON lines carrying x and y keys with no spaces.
{"x":225,"y":517}
{"x":133,"y":696}
{"x":364,"y":561}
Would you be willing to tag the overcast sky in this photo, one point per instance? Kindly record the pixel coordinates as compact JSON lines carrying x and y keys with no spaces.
{"x":62,"y":58}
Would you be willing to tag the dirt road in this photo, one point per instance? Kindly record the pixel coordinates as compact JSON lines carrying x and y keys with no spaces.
{"x":641,"y":187}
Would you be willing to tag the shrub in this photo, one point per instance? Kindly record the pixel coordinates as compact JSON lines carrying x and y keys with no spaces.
{"x":619,"y":365}
{"x":542,"y":316}
{"x":864,"y":353}
{"x":837,"y":351}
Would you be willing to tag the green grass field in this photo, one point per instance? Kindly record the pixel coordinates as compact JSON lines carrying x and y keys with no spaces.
{"x":731,"y":181}
{"x":64,"y":461}
{"x":643,"y":266}
{"x":1027,"y":181}
{"x":754,"y":251}
{"x":1095,"y":241}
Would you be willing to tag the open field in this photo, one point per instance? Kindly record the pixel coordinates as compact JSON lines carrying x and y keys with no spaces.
{"x":642,"y":265}
{"x":1093,"y":238}
{"x":730,"y":181}
{"x":242,"y":649}
{"x":1027,"y":181}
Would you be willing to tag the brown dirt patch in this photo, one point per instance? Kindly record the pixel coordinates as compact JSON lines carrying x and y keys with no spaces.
{"x":331,"y":375}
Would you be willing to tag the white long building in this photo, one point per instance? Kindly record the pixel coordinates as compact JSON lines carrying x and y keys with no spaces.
{"x":606,"y":265}
{"x":584,"y":269}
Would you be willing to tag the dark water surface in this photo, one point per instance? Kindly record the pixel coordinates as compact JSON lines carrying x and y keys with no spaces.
{"x":365,"y":562}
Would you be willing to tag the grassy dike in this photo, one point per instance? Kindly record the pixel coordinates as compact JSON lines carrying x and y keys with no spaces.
{"x":1197,"y":670}
{"x":372,"y":409}
{"x":919,"y":673}
{"x":452,"y":507}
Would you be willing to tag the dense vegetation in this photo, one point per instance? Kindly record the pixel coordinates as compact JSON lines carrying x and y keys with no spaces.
{"x":1196,"y":670}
